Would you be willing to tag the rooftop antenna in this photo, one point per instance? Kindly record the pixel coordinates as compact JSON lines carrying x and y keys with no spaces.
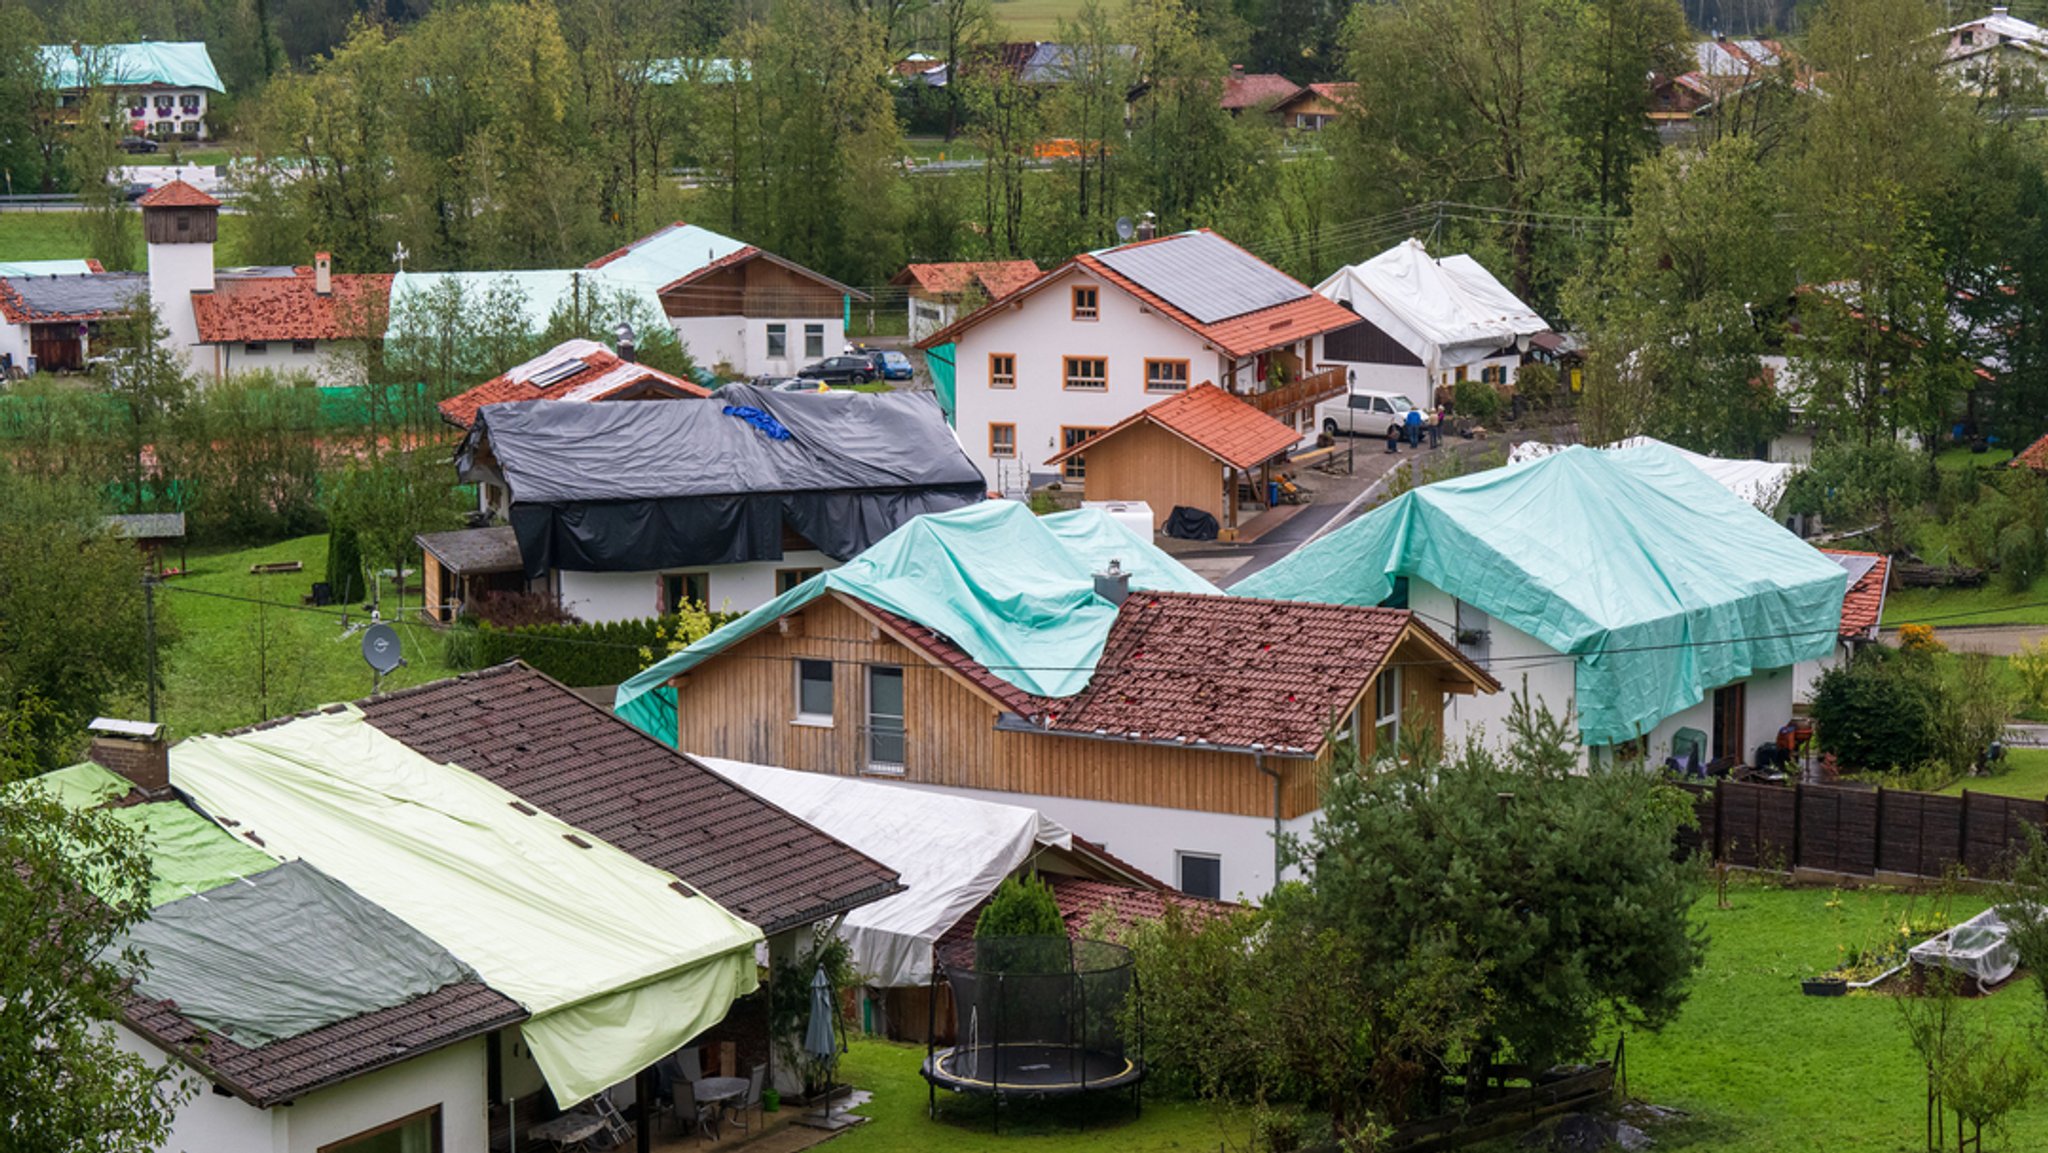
{"x":399,"y":254}
{"x":381,"y":652}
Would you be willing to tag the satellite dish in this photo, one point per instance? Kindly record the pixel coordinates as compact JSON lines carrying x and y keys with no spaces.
{"x":1124,"y":228}
{"x":380,"y":648}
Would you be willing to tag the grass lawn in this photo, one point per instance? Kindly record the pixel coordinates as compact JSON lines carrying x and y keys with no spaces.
{"x":1764,"y":1069}
{"x":1959,"y":458}
{"x":1086,"y":1125}
{"x":54,"y":236}
{"x":1035,"y":19}
{"x":1991,"y":605}
{"x":213,"y":679}
{"x":2025,"y":775}
{"x":931,"y":148}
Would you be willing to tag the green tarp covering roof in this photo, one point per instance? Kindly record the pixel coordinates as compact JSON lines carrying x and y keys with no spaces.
{"x":1663,"y":582}
{"x":1015,"y":591}
{"x":619,"y":962}
{"x":187,"y":853}
{"x":175,"y":64}
{"x":283,"y":953}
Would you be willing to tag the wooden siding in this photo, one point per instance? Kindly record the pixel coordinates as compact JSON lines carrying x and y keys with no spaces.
{"x":1366,"y":343}
{"x":1146,"y":462}
{"x":742,"y":705}
{"x":160,"y":225}
{"x":754,"y":287}
{"x":430,"y":585}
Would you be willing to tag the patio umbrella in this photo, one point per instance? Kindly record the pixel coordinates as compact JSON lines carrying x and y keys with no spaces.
{"x":821,"y":1037}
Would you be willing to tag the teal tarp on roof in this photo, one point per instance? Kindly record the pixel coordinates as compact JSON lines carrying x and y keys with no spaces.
{"x":1015,"y":591}
{"x":177,"y":64}
{"x":1665,"y":583}
{"x":45,"y":268}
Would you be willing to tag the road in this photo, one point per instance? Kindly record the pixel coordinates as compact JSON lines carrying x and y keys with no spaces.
{"x":1997,"y":640}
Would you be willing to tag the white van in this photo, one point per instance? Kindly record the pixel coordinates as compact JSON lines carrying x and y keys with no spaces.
{"x":1364,"y":414}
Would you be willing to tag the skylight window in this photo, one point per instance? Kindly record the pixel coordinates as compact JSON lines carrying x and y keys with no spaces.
{"x":555,"y":373}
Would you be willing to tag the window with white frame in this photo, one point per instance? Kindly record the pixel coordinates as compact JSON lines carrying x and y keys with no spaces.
{"x":885,"y":719}
{"x":814,"y":340}
{"x":1201,"y":874}
{"x":814,"y":692}
{"x":778,"y":340}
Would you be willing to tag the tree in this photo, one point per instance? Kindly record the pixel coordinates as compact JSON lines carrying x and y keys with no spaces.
{"x":106,"y":220}
{"x":147,"y":379}
{"x":75,"y":882}
{"x":1881,"y":711}
{"x":1185,"y":150}
{"x":1021,"y":907}
{"x":71,"y":612}
{"x":1852,"y":485}
{"x":1564,"y":886}
{"x":391,"y":497}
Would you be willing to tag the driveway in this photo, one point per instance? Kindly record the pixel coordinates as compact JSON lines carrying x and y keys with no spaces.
{"x":1997,"y":640}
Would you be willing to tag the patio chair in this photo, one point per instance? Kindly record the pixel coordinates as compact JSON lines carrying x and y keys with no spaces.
{"x":738,"y":1109}
{"x":684,"y":1107}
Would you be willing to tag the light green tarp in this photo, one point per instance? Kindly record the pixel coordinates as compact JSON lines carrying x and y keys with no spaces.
{"x":1663,"y":582}
{"x":187,"y":853}
{"x":1015,"y":591}
{"x":617,"y":967}
{"x":176,"y":64}
{"x":284,"y":953}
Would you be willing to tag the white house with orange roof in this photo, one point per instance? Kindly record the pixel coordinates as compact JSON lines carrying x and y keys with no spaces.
{"x":1108,"y":333}
{"x":936,"y":294}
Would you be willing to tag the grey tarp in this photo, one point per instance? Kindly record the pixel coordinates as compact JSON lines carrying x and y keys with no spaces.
{"x":633,"y":486}
{"x":285,"y":952}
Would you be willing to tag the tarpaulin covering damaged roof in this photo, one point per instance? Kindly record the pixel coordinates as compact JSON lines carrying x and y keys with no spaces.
{"x":634,"y":486}
{"x":1664,"y":582}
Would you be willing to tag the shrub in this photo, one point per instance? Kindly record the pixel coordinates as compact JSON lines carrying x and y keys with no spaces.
{"x":1883,"y":710}
{"x":1476,"y":401}
{"x":1536,"y":383}
{"x":513,"y":610}
{"x":345,"y":566}
{"x":1920,"y":639}
{"x":575,"y":654}
{"x":2031,"y":664}
{"x":1021,"y":907}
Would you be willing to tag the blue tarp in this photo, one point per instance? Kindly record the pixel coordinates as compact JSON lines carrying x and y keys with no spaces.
{"x":176,"y":64}
{"x":1015,"y":591}
{"x":1664,"y":583}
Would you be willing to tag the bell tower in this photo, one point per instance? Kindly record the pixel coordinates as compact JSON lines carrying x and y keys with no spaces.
{"x":179,"y":226}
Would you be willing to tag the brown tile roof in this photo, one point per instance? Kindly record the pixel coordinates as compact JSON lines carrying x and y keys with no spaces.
{"x":294,"y":1066}
{"x":532,"y":736}
{"x":176,"y":194}
{"x":1212,"y":420}
{"x":1256,"y":90}
{"x":1081,"y":898}
{"x":603,"y":377}
{"x":997,"y":278}
{"x":260,"y":308}
{"x":2034,"y":456}
{"x":1196,"y":669}
{"x":1863,"y":601}
{"x":1237,"y":337}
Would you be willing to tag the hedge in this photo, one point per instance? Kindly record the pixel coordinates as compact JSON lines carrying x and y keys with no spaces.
{"x":574,"y":654}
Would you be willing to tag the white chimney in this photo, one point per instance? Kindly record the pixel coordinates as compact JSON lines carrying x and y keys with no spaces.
{"x":323,"y":274}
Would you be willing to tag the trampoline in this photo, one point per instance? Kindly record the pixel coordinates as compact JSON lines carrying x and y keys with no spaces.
{"x":1036,"y":1017}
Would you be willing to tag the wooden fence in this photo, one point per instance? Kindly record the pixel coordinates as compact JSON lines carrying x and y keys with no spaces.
{"x":1837,"y":829}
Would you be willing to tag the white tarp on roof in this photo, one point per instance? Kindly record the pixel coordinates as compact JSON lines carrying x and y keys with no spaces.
{"x":1760,"y":483}
{"x":663,"y":257}
{"x":540,"y":293}
{"x":1447,"y":312}
{"x":951,"y":852}
{"x":618,"y":962}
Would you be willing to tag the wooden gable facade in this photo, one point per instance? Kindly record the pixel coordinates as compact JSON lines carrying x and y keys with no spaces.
{"x":742,"y":705}
{"x":758,"y":285}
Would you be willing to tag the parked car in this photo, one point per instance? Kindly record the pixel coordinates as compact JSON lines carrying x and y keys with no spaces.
{"x":138,"y":145}
{"x":134,"y":191}
{"x":890,"y":364}
{"x":840,"y":370}
{"x":788,"y":384}
{"x":1364,"y":413}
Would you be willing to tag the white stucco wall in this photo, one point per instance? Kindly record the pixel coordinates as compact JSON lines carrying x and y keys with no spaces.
{"x":742,"y":342}
{"x":176,"y":271}
{"x":452,"y":1078}
{"x":14,"y":342}
{"x":926,"y":315}
{"x":1409,"y":380}
{"x":624,"y":596}
{"x":327,"y":363}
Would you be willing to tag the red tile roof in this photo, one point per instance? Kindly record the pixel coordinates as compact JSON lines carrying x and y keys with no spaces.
{"x":1863,"y":601}
{"x":997,"y":278}
{"x":1212,"y":420}
{"x":535,"y":738}
{"x":1237,"y":337}
{"x":176,"y":194}
{"x":1256,"y":90}
{"x":294,"y":1066}
{"x":2034,"y":456}
{"x":1192,"y":669}
{"x":603,"y":377}
{"x":261,"y":308}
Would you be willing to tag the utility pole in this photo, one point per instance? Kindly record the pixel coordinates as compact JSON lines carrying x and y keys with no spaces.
{"x":149,"y":635}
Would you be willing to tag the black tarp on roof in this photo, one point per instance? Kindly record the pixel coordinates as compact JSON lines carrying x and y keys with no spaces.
{"x":633,"y":486}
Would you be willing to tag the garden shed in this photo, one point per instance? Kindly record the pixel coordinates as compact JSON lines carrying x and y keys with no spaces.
{"x":464,"y":566}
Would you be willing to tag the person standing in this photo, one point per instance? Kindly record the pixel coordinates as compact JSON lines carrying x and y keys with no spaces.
{"x":1436,"y":428}
{"x":1414,"y":425}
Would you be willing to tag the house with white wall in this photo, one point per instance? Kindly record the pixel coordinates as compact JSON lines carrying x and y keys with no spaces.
{"x":1424,"y":324}
{"x":160,"y":87}
{"x":1624,"y":586}
{"x":1108,"y":333}
{"x":334,"y":982}
{"x":935,"y":294}
{"x":634,"y":508}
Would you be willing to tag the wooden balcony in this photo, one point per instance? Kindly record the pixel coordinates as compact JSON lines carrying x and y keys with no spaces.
{"x":1285,"y":402}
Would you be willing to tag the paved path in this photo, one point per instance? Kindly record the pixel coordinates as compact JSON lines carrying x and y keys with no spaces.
{"x":1997,"y":640}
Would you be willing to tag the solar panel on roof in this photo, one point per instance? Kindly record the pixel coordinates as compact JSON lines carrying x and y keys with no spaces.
{"x":1204,"y":275}
{"x":556,"y":373}
{"x":1857,"y":566}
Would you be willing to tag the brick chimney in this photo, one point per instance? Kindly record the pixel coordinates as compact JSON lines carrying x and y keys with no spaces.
{"x":323,"y":274}
{"x":133,"y":750}
{"x":1148,"y":226}
{"x":1237,"y":71}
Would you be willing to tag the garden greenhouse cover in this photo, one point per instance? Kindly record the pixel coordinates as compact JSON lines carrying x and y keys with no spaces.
{"x":1014,"y":590}
{"x":618,"y":962}
{"x":1663,"y":583}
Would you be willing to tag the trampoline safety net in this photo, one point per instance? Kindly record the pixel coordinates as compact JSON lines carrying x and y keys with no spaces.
{"x":1037,"y":1016}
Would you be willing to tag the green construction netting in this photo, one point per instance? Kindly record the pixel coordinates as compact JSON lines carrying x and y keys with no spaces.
{"x":618,"y":962}
{"x":939,"y":361}
{"x":187,"y":853}
{"x":1016,"y":591}
{"x":1664,"y":583}
{"x":283,"y":953}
